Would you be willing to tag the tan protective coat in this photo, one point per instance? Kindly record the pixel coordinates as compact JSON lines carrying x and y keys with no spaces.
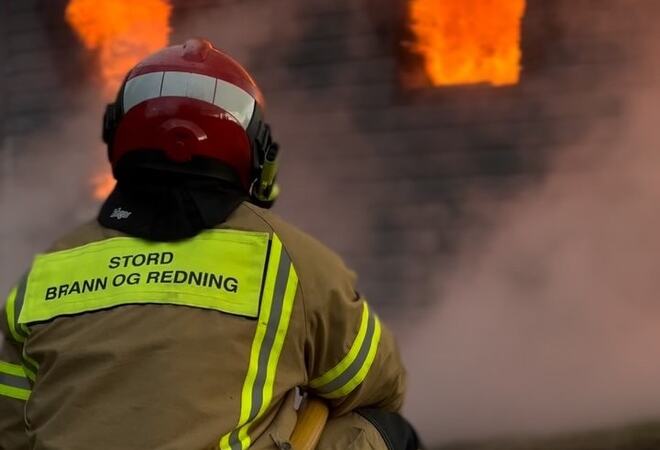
{"x":164,"y":377}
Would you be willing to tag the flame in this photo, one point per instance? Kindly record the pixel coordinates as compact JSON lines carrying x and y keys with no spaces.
{"x":469,"y":41}
{"x":102,"y":185}
{"x":122,"y":32}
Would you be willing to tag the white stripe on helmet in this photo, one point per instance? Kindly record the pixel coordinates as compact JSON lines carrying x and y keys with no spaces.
{"x":235,"y":101}
{"x":142,"y":88}
{"x":217,"y":92}
{"x":191,"y":85}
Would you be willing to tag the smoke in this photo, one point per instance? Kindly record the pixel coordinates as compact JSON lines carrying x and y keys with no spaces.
{"x":551,"y":322}
{"x":240,"y":28}
{"x":47,"y":177}
{"x":548,"y":323}
{"x":265,"y":36}
{"x":46,"y":186}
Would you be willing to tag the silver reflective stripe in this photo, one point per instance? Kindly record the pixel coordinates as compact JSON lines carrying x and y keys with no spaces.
{"x":267,"y":345}
{"x":201,"y":87}
{"x":352,"y":370}
{"x":142,"y":88}
{"x":234,"y":100}
{"x":190,"y":85}
{"x":269,"y":339}
{"x":15,"y":381}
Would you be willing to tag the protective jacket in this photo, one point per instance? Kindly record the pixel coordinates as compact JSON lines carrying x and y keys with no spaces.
{"x":114,"y":342}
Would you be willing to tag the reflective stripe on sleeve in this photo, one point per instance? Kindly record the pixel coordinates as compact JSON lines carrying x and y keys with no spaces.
{"x":342,"y":379}
{"x":13,"y":381}
{"x":13,"y":307}
{"x":276,"y":307}
{"x":30,"y":366}
{"x":19,"y":331}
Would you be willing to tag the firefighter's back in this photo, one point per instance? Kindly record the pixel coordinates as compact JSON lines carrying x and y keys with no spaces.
{"x":165,"y":372}
{"x":186,"y":316}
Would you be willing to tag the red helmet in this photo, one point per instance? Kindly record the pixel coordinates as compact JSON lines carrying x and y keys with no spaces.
{"x":189,"y":101}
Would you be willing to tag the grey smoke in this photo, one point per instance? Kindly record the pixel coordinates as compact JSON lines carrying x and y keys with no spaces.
{"x":552,"y":322}
{"x":548,"y":323}
{"x":46,"y":177}
{"x":46,"y":185}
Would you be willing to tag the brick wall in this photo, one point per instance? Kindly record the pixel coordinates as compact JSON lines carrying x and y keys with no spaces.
{"x":40,"y":70}
{"x":392,"y":172}
{"x":384,"y":174}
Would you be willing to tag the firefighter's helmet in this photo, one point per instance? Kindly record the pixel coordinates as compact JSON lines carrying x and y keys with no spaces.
{"x":189,"y":102}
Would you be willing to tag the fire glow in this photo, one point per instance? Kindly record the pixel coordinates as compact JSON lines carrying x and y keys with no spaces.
{"x":469,"y":41}
{"x":121,"y":33}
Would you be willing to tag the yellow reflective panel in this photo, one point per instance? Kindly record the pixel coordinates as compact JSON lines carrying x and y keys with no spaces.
{"x":218,"y":269}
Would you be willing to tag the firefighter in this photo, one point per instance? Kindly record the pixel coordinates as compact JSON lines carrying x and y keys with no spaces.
{"x":188,"y":316}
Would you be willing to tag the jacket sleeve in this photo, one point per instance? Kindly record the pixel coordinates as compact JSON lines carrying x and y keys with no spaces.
{"x":352,"y":358}
{"x":14,"y":383}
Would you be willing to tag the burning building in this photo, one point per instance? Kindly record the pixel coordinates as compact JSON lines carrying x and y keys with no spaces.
{"x":497,"y":86}
{"x":468,"y":41}
{"x":120,"y":32}
{"x":408,"y":120}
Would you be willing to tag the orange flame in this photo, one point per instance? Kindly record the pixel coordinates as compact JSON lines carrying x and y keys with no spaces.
{"x":102,"y":185}
{"x":469,"y":41}
{"x":122,"y":32}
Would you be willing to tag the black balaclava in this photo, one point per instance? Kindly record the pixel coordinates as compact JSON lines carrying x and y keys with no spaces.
{"x":159,"y":201}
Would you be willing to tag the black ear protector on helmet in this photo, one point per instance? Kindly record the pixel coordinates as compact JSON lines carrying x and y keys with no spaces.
{"x":111,"y":118}
{"x":264,"y":190}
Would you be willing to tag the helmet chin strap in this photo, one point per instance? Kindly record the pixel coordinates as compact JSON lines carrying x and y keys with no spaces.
{"x":265,"y":190}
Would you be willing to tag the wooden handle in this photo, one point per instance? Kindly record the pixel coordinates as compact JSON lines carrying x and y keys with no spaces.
{"x":311,"y":422}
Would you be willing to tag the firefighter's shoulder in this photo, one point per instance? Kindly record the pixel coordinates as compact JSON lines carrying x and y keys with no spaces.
{"x":85,"y":233}
{"x":318,"y":266}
